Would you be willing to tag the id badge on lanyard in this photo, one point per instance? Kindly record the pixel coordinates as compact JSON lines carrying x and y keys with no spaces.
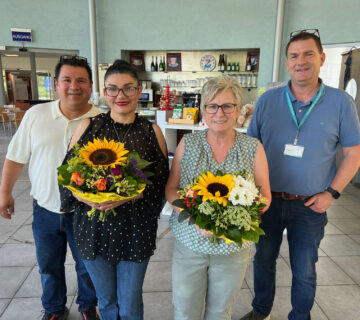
{"x":295,"y":150}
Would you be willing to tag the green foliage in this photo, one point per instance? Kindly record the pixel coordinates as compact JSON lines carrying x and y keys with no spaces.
{"x":179,"y":203}
{"x":238,"y":223}
{"x":141,"y":163}
{"x":65,"y":175}
{"x":125,"y":184}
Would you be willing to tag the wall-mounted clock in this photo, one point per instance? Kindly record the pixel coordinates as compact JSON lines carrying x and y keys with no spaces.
{"x":208,"y":63}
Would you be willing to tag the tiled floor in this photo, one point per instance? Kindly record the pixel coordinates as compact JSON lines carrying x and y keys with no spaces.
{"x":338,"y":269}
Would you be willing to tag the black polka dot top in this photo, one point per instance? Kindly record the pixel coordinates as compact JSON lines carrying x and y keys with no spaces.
{"x":131,"y":234}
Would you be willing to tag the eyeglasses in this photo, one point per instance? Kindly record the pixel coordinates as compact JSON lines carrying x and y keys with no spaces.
{"x":311,"y":31}
{"x":226,"y":108}
{"x":67,"y":58}
{"x":127,"y":91}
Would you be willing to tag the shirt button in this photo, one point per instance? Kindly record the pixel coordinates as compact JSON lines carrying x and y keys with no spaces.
{"x":300,"y":110}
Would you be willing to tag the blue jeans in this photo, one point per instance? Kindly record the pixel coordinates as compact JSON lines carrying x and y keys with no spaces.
{"x":305,"y":229}
{"x":52,"y":232}
{"x":118,"y":288}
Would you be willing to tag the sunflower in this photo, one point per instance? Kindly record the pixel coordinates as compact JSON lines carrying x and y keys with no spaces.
{"x":103,"y":153}
{"x":215,"y":188}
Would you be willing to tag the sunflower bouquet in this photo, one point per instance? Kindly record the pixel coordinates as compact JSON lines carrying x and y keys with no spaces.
{"x":103,"y":171}
{"x":230,"y":206}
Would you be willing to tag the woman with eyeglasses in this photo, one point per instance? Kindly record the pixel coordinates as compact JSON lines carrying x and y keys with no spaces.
{"x":116,"y":252}
{"x":207,"y":277}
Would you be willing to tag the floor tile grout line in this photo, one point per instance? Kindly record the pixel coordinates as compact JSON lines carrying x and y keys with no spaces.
{"x":339,"y":227}
{"x":322,"y":310}
{"x":7,"y":305}
{"x":348,"y":210}
{"x":164,"y":233}
{"x":343,"y":270}
{"x":13,"y":297}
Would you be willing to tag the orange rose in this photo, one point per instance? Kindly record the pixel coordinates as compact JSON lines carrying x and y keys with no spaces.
{"x":100,"y":184}
{"x":192,"y":193}
{"x":77,"y":178}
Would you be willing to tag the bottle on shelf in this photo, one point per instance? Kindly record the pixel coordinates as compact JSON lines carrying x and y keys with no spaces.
{"x":152,"y":64}
{"x":196,"y":103}
{"x":220,"y":63}
{"x":237,"y":67}
{"x":161,"y":65}
{"x":164,"y":63}
{"x":248,"y":65}
{"x":229,"y":66}
{"x":156,"y":65}
{"x":233,"y":67}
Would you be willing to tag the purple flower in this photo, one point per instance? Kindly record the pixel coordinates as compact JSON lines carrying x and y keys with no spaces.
{"x":133,"y":161}
{"x":116,"y":171}
{"x":137,"y":171}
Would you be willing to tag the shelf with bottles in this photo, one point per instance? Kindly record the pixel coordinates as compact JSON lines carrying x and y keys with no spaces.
{"x":156,"y":66}
{"x":226,"y":60}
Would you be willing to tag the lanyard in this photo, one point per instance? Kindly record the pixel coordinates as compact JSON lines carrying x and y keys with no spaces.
{"x":291,"y":107}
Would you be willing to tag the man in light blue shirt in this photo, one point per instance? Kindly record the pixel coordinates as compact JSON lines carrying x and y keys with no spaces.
{"x":301,"y":126}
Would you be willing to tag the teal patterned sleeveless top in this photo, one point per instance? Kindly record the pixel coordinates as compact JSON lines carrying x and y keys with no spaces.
{"x":198,"y":158}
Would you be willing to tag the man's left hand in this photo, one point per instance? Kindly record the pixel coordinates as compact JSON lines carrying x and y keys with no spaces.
{"x":320,"y":202}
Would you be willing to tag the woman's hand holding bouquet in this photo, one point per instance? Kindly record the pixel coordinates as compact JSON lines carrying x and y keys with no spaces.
{"x":104,"y":175}
{"x":227,"y":205}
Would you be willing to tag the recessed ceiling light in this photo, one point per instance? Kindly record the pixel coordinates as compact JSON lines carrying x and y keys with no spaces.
{"x":11,"y":55}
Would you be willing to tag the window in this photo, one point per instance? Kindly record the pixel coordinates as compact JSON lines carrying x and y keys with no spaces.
{"x":44,"y":86}
{"x":4,"y":81}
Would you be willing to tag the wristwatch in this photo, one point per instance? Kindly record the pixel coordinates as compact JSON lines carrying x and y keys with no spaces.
{"x":335,"y":194}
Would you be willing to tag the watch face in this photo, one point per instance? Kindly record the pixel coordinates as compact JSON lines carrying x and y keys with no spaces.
{"x":208,"y":63}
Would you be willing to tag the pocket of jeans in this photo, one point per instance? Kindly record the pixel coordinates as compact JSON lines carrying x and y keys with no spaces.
{"x":315,"y":212}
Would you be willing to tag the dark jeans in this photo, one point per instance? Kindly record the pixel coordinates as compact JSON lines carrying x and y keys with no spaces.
{"x":119,"y":288}
{"x":305,"y":229}
{"x":52,"y":232}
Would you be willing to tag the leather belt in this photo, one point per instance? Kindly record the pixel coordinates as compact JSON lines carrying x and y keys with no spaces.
{"x":288,"y":196}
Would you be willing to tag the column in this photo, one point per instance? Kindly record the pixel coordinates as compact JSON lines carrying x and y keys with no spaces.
{"x":34,"y":84}
{"x":2,"y":90}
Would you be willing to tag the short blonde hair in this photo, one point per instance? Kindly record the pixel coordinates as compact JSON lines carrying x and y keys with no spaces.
{"x":216,"y":85}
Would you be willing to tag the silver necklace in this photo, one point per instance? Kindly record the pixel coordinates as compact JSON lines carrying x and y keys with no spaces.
{"x":125,"y":135}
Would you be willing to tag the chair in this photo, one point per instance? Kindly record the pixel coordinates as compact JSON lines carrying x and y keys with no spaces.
{"x":2,"y":120}
{"x":22,"y":105}
{"x":19,"y":115}
{"x":5,"y":120}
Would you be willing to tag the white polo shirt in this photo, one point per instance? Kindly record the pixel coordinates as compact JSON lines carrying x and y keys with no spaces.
{"x":42,"y":140}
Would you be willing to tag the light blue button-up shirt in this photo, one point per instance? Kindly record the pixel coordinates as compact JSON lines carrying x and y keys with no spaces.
{"x":333,"y":121}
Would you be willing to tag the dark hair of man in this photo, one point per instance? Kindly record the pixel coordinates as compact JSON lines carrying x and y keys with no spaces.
{"x":121,"y":67}
{"x":73,"y":63}
{"x":305,"y":36}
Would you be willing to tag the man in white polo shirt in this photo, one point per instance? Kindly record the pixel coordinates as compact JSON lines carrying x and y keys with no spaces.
{"x":42,"y":141}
